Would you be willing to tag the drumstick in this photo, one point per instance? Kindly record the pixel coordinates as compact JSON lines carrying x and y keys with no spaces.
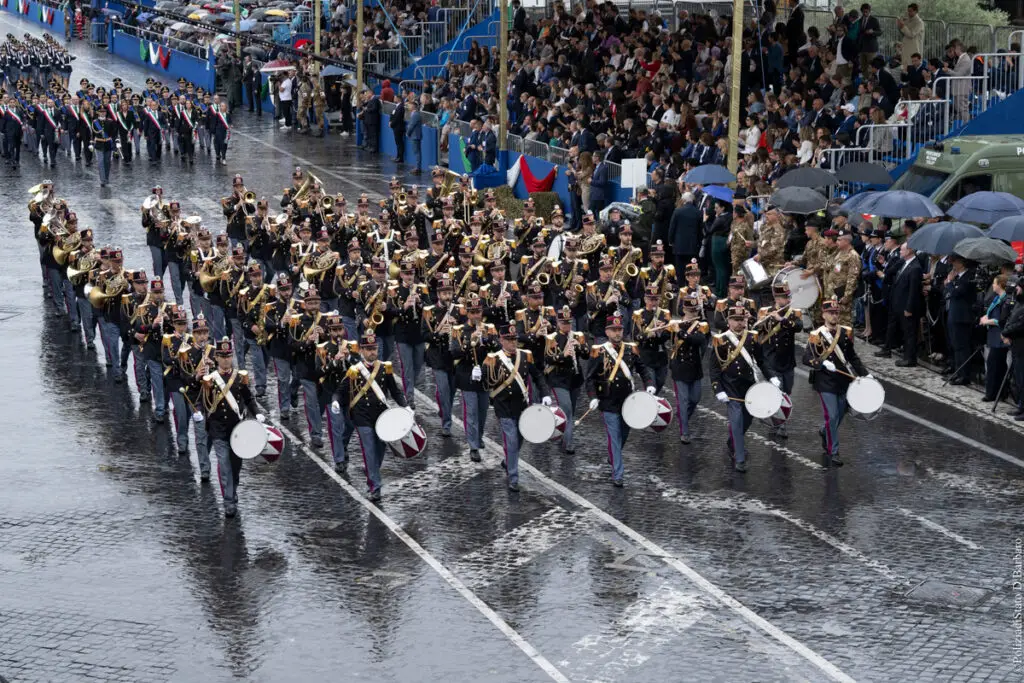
{"x":577,"y":422}
{"x":740,"y":400}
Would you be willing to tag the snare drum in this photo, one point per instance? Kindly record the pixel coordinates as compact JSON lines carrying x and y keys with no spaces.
{"x":398,"y":429}
{"x":865,"y":397}
{"x":781,"y":416}
{"x":755,"y":273}
{"x":641,"y":410}
{"x":540,"y":423}
{"x":803,"y":292}
{"x":251,"y":439}
{"x":763,"y":400}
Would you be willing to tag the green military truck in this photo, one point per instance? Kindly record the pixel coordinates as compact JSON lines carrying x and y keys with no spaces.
{"x":949,"y":170}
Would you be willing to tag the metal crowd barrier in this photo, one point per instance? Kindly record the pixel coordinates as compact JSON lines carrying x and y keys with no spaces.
{"x":186,"y":46}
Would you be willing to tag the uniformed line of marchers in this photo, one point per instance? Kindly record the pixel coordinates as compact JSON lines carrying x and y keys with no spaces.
{"x":520,"y":315}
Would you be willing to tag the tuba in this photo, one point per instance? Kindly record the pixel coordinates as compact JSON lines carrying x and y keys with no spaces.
{"x":321,"y":264}
{"x":211,"y":272}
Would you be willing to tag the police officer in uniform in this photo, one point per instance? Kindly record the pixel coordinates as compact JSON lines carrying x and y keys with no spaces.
{"x":609,"y":381}
{"x":505,"y":376}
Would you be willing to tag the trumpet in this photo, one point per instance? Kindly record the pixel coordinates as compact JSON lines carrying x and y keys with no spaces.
{"x":769,"y":316}
{"x":662,"y":325}
{"x":573,"y":294}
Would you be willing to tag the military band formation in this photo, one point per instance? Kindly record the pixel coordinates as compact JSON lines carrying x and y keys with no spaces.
{"x":348,"y":308}
{"x":41,"y":114}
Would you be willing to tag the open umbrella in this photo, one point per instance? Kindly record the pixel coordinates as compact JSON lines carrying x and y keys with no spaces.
{"x":332,"y":70}
{"x":986,"y":250}
{"x":939,"y":239}
{"x":276,"y":66}
{"x":276,"y":13}
{"x":853,"y":204}
{"x":986,"y":207}
{"x":722,"y":194}
{"x":806,"y":176}
{"x":1010,"y":229}
{"x":799,"y":200}
{"x":301,"y":43}
{"x":709,"y":174}
{"x":901,"y":204}
{"x":864,"y":172}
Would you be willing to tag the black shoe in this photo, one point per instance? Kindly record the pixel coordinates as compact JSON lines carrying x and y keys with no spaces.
{"x":947,"y":371}
{"x":474,"y":455}
{"x":1014,"y":412}
{"x":318,"y":443}
{"x":375,"y":496}
{"x":504,"y":465}
{"x":182,"y":450}
{"x":684,"y":438}
{"x":960,"y":381}
{"x":119,"y":379}
{"x":285,"y":416}
{"x":204,"y":477}
{"x":740,"y":467}
{"x":988,"y":399}
{"x":821,"y":433}
{"x":230,"y":512}
{"x":446,"y":433}
{"x":261,"y":393}
{"x":617,"y":483}
{"x":570,"y":451}
{"x":883,"y":353}
{"x":160,"y":419}
{"x":836,"y":462}
{"x":144,"y":398}
{"x":90,"y":345}
{"x":906,"y":364}
{"x":514,"y":488}
{"x":341,"y":467}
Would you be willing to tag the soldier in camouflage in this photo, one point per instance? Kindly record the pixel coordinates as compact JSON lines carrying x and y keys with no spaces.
{"x":741,"y":239}
{"x":841,"y":277}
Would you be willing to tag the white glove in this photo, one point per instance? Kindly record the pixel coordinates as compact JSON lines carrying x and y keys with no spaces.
{"x":593,"y":404}
{"x":335,"y":407}
{"x":197,"y":417}
{"x":652,"y":391}
{"x":829,"y":365}
{"x":546,"y":400}
{"x":777,"y":382}
{"x":477,"y":373}
{"x":722,"y":396}
{"x":261,"y":418}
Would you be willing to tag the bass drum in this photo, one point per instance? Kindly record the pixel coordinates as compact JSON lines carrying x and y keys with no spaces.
{"x":804,"y":290}
{"x":540,"y":423}
{"x":398,"y":429}
{"x":641,"y":410}
{"x":763,"y":400}
{"x":865,"y":397}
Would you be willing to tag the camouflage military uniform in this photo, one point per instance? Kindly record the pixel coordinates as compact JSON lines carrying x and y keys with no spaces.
{"x":771,"y":246}
{"x":305,"y":97}
{"x":740,"y":233}
{"x":816,"y":259}
{"x":841,"y":282}
{"x":319,"y":105}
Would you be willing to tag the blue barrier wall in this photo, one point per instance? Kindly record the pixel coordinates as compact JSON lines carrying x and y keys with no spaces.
{"x":181,"y":65}
{"x":1001,"y":119}
{"x":268,"y":102}
{"x":436,"y":57}
{"x":428,"y":145}
{"x":33,"y":15}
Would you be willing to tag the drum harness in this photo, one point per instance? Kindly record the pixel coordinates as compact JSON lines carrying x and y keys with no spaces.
{"x":371,"y":383}
{"x":741,"y":350}
{"x":225,"y":393}
{"x":833,"y":346}
{"x":610,"y":350}
{"x":513,"y":377}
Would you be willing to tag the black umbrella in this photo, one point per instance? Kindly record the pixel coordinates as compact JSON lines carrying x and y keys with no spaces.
{"x":799,"y":200}
{"x":986,"y":250}
{"x":806,"y":176}
{"x":1010,"y":229}
{"x":939,"y":239}
{"x":864,"y":172}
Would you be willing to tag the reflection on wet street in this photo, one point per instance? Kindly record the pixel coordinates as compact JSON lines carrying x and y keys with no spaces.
{"x":117,"y":564}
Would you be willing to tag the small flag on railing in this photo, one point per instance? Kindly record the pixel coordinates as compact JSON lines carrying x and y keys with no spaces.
{"x":165,"y":57}
{"x":154,"y":53}
{"x":143,"y":53}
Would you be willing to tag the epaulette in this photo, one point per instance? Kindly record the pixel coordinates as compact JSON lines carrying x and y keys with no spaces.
{"x":243,"y":292}
{"x":645,"y":273}
{"x":548,"y":310}
{"x":848,"y":331}
{"x":388,"y":369}
{"x":549,"y":341}
{"x":528,"y":354}
{"x":521,"y":314}
{"x":515,"y":287}
{"x":524,"y":260}
{"x":167,"y":340}
{"x":752,"y":334}
{"x":353,"y":347}
{"x":490,"y":360}
{"x":813,"y":338}
{"x":352,"y":372}
{"x":670,"y":270}
{"x":703,"y":328}
{"x":797,"y":313}
{"x":720,"y":305}
{"x":638,"y":315}
{"x":244,"y":376}
{"x":763,"y":312}
{"x":126,"y":299}
{"x":591,"y":287}
{"x":322,"y":345}
{"x":489,"y":328}
{"x":595,"y":350}
{"x":631,"y":345}
{"x":428,"y":312}
{"x":719,"y":339}
{"x":457,"y":328}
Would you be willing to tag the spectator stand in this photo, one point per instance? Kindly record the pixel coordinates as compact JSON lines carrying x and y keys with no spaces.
{"x":45,"y":13}
{"x":173,"y":58}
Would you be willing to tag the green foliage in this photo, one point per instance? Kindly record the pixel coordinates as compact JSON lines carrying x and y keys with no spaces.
{"x":959,"y":11}
{"x":513,"y":208}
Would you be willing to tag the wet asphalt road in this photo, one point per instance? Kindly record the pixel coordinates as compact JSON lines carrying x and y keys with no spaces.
{"x":116,"y":564}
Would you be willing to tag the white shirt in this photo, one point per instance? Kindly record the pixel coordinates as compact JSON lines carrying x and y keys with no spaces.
{"x":285,"y":90}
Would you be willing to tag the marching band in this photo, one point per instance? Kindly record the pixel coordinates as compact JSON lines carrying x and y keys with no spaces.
{"x":348,"y":311}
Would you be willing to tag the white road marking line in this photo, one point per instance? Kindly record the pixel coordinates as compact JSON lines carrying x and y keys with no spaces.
{"x":519,"y":547}
{"x":742,"y":502}
{"x":655,"y":620}
{"x":745,"y":613}
{"x":934,"y":526}
{"x":445,"y":474}
{"x":775,"y":445}
{"x":514,"y":636}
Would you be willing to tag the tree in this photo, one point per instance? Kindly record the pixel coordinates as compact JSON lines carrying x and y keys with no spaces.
{"x":959,"y":11}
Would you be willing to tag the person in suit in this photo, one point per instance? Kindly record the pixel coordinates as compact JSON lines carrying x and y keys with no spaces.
{"x":49,"y":131}
{"x":906,"y":306}
{"x":684,"y":232}
{"x":370,"y":116}
{"x":489,"y":144}
{"x":518,"y":17}
{"x":152,"y":128}
{"x":959,"y":294}
{"x":868,"y":30}
{"x":467,"y":109}
{"x":254,"y":85}
{"x":1013,"y":336}
{"x":414,"y":131}
{"x":997,"y":312}
{"x":599,"y":189}
{"x":398,"y":129}
{"x":222,"y":132}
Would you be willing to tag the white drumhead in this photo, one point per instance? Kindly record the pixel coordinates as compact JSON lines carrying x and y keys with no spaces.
{"x":865,"y":395}
{"x":639,"y":410}
{"x":537,"y":423}
{"x":393,"y":424}
{"x":248,"y":439}
{"x":803,"y":293}
{"x":763,"y":400}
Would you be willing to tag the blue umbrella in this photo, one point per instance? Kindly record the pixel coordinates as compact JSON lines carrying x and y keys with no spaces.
{"x":939,"y":239}
{"x":246,"y":24}
{"x":902,"y":204}
{"x":987,"y":207}
{"x":853,"y":204}
{"x":709,"y":174}
{"x":1010,"y":229}
{"x":720,"y":193}
{"x":331,"y":70}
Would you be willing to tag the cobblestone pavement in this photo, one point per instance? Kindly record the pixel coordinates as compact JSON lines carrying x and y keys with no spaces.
{"x":115,"y":564}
